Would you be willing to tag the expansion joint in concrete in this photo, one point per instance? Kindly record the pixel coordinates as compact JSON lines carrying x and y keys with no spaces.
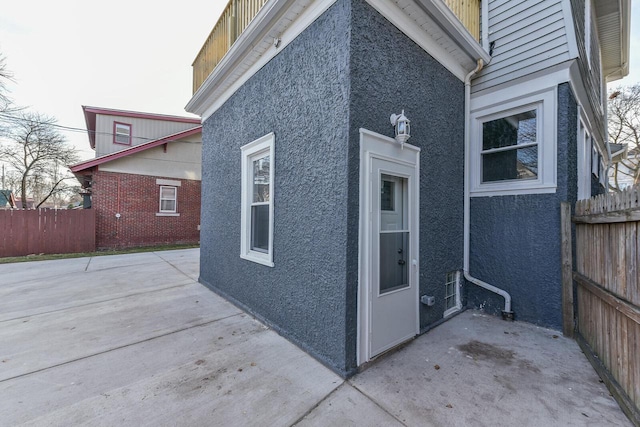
{"x":121,"y":347}
{"x":375,"y":402}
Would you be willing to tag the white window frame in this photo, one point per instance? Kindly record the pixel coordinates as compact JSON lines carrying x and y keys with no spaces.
{"x":250,"y":152}
{"x":175,"y":200}
{"x":458,"y":304}
{"x":595,"y":158}
{"x":584,"y":160}
{"x":116,"y":134}
{"x":545,"y":105}
{"x":587,"y":30}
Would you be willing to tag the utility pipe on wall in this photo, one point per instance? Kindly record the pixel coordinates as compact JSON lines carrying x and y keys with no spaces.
{"x":507,"y":314}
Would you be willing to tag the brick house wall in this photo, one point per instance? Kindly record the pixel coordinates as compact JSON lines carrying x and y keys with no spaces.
{"x":136,"y":198}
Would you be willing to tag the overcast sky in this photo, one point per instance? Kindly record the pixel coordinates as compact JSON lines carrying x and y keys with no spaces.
{"x":129,"y":55}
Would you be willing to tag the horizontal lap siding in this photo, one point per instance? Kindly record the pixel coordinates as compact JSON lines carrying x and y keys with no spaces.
{"x":590,"y":75}
{"x":529,"y":36}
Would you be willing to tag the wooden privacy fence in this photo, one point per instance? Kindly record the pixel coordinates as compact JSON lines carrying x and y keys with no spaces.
{"x":49,"y":231}
{"x":607,"y":287}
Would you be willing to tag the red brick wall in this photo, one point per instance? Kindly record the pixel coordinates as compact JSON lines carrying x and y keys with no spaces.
{"x":136,"y":199}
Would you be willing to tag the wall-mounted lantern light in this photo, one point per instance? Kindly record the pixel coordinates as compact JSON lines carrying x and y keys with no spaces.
{"x":402,"y":127}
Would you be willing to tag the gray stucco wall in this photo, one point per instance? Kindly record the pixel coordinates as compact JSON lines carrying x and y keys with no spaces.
{"x":515,"y":240}
{"x":303,"y":96}
{"x":350,"y":69}
{"x":389,"y":73}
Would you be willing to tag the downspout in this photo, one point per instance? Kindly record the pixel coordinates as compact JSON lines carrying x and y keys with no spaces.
{"x":507,"y":314}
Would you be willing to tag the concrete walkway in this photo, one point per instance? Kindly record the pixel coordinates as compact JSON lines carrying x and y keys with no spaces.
{"x":135,"y":340}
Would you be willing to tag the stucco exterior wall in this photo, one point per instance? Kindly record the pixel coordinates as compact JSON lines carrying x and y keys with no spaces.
{"x":349,"y":70}
{"x":302,"y":95}
{"x":390,"y":73}
{"x":136,"y":199}
{"x":515,"y":240}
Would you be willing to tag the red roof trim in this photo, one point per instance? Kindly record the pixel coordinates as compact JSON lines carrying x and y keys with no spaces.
{"x":91,"y":112}
{"x":78,"y":167}
{"x":140,"y":115}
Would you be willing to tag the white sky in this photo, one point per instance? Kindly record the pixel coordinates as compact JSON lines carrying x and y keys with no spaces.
{"x":129,"y":55}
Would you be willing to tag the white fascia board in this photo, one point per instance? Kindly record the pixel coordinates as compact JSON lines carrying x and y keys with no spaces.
{"x":450,"y":23}
{"x":411,"y":29}
{"x":208,"y":98}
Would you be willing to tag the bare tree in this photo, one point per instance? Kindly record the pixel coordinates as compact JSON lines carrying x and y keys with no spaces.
{"x":38,"y":152}
{"x":5,"y":76}
{"x":624,"y":128}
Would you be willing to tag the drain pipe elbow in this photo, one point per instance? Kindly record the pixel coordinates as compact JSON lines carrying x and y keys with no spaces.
{"x":507,"y":314}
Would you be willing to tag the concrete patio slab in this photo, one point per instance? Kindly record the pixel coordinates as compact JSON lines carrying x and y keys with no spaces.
{"x":348,"y":407}
{"x":78,"y":332}
{"x":135,"y":340}
{"x":478,"y":370}
{"x":35,"y":296}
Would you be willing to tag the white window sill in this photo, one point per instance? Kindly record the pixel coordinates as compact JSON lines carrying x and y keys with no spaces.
{"x":167,"y":214}
{"x":257,"y":259}
{"x":511,"y":190}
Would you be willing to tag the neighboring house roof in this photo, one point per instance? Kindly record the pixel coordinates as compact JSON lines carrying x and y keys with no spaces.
{"x":618,"y":151}
{"x":90,"y":114}
{"x":614,"y":30}
{"x":7,"y":198}
{"x":79,"y":167}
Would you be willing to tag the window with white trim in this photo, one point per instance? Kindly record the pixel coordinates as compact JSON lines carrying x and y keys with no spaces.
{"x":168,"y":199}
{"x":514,"y":146}
{"x":121,"y":133}
{"x":587,"y":31}
{"x":257,"y":200}
{"x":595,"y":159}
{"x":452,"y":301}
{"x":584,"y":162}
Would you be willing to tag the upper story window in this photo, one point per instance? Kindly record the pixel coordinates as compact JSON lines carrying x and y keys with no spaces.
{"x":513,"y":146}
{"x":121,"y":133}
{"x":257,"y":201}
{"x":510,"y":147}
{"x":587,"y":30}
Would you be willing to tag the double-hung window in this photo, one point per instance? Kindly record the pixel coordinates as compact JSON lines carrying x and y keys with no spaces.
{"x":257,"y":200}
{"x":121,"y":133}
{"x":510,"y":147}
{"x":168,"y":199}
{"x":513,"y":147}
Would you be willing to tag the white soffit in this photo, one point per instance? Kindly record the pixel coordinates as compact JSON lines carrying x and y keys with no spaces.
{"x":614,"y":20}
{"x":429,"y":23}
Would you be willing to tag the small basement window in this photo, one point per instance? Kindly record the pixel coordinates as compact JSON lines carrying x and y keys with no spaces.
{"x":452,"y":302}
{"x":121,"y":133}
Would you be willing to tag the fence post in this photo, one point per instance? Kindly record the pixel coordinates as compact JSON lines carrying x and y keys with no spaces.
{"x":567,"y":270}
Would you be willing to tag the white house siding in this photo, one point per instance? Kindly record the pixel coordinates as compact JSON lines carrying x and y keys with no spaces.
{"x":528,"y":36}
{"x":143,"y":130}
{"x":182,"y":160}
{"x":590,"y":75}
